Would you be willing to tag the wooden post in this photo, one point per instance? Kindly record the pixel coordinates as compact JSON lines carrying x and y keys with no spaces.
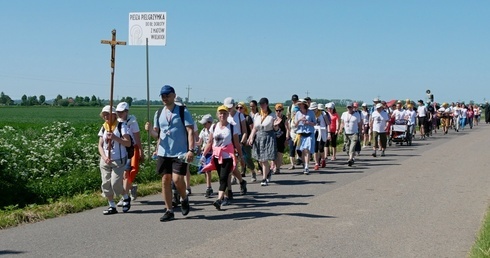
{"x":113,"y":44}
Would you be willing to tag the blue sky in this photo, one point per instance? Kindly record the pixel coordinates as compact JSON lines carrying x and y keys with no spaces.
{"x":259,"y":48}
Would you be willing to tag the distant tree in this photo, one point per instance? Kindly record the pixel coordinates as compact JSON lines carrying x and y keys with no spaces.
{"x":57,"y":100}
{"x":129,"y":100}
{"x":32,"y":100}
{"x":42,"y":99}
{"x":24,"y":100}
{"x":4,"y":98}
{"x":86,"y":99}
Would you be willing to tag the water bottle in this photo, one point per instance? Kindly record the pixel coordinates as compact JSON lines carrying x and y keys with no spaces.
{"x":195,"y":162}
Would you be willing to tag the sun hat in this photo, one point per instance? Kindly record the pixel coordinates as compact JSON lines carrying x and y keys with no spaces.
{"x":222,"y":108}
{"x":379,"y":105}
{"x":108,"y":109}
{"x":206,"y":118}
{"x":313,"y":106}
{"x":302,"y":101}
{"x":122,"y":106}
{"x":167,"y":89}
{"x":376,"y":99}
{"x":321,"y":106}
{"x":229,"y":102}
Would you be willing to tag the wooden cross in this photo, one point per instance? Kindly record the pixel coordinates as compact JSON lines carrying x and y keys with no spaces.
{"x":113,"y":44}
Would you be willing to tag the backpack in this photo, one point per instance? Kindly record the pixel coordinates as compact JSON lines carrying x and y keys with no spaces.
{"x":130,"y":149}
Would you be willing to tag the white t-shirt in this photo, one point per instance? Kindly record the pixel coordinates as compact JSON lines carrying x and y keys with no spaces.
{"x":222,"y":137}
{"x":464,"y":112}
{"x":132,"y":125}
{"x":365,"y":117}
{"x":421,"y":111}
{"x":118,"y":151}
{"x":379,"y":121}
{"x":236,"y":121}
{"x":412,"y":115}
{"x":351,"y":122}
{"x":264,"y":125}
{"x":399,"y":114}
{"x":204,"y":137}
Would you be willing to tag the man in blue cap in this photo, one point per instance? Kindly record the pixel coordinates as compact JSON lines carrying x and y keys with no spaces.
{"x":175,"y":129}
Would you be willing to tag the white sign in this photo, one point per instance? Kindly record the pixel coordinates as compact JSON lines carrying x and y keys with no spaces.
{"x":151,"y":26}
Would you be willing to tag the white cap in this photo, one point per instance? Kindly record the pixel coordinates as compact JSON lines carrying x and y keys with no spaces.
{"x":321,"y":106}
{"x":229,"y":102}
{"x":313,"y":106}
{"x":122,"y":106}
{"x":364,"y":105}
{"x":330,"y":105}
{"x":379,"y":105}
{"x":178,"y":101}
{"x":206,"y":118}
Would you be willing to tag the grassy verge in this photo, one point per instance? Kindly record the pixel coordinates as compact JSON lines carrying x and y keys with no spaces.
{"x":481,"y":248}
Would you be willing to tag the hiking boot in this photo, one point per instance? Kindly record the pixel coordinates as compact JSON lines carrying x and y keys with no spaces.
{"x":167,"y":216}
{"x":185,"y":206}
{"x":209,"y":192}
{"x":126,"y":205}
{"x":243,"y":187}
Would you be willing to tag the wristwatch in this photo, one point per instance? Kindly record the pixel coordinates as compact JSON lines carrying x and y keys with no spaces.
{"x":192,"y":150}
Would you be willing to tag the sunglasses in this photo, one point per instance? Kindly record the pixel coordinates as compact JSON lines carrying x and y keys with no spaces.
{"x":239,"y":107}
{"x":279,"y":110}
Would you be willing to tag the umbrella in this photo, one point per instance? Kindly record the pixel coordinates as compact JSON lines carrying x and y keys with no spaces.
{"x":391,"y":102}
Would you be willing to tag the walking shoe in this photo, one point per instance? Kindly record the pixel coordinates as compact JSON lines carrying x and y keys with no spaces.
{"x":254,"y":177}
{"x":269,"y":177}
{"x":217,"y":204}
{"x":167,"y":216}
{"x":230,"y":194}
{"x":120,"y":203}
{"x":292,"y":167}
{"x":209,"y":192}
{"x":264,"y":182}
{"x":344,"y":148}
{"x":134,"y":192}
{"x":374,"y":154}
{"x":278,"y":171}
{"x":350,"y":162}
{"x":126,"y":205}
{"x":306,"y":171}
{"x":185,"y":206}
{"x":316,"y":167}
{"x":234,"y":181}
{"x":188,"y":191}
{"x":382,"y":153}
{"x":110,"y":211}
{"x":299,"y":162}
{"x":243,"y":187}
{"x":244,"y":170}
{"x":324,"y":163}
{"x":225,"y":202}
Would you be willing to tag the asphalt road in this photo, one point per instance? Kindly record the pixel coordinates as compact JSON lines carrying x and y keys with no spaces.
{"x":424,"y":200}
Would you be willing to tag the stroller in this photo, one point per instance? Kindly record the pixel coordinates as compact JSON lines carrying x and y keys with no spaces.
{"x":400,"y":133}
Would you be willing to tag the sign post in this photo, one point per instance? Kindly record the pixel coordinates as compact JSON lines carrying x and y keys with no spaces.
{"x":148,"y":28}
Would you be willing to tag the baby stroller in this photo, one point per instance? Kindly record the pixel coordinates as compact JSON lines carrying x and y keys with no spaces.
{"x":400,"y":133}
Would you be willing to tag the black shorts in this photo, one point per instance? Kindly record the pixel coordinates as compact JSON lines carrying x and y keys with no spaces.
{"x":421,"y":121}
{"x":166,"y":165}
{"x":333,"y":140}
{"x":366,"y":129}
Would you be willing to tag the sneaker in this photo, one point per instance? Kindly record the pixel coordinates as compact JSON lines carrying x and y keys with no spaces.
{"x":230,"y":194}
{"x":110,"y":211}
{"x":243,"y":187}
{"x":344,"y":148}
{"x":167,"y":216}
{"x":382,"y":153}
{"x":306,"y":171}
{"x":126,"y":205}
{"x":134,"y":192}
{"x":299,"y":162}
{"x":264,"y":182}
{"x":292,"y":167}
{"x":324,"y":163}
{"x":278,"y":171}
{"x":217,"y":204}
{"x":209,"y":192}
{"x":188,"y":191}
{"x":234,"y":181}
{"x":225,"y":202}
{"x":120,"y":203}
{"x":269,"y":177}
{"x":185,"y":206}
{"x":316,"y":167}
{"x":374,"y":154}
{"x":350,"y":162}
{"x":254,"y":177}
{"x":244,"y":170}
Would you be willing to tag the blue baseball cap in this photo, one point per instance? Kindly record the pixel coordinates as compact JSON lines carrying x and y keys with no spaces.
{"x":167,"y":89}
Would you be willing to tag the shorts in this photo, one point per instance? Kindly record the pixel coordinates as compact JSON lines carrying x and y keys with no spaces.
{"x":366,"y":129}
{"x":333,"y":140}
{"x":421,"y":121}
{"x":169,"y":165}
